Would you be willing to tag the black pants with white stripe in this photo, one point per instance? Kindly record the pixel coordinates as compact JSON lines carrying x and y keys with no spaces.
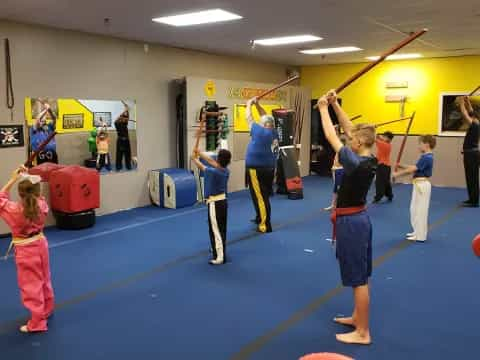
{"x":217,"y":226}
{"x":260,"y":183}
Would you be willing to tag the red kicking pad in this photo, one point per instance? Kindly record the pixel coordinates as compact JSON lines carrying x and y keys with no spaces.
{"x":476,"y":245}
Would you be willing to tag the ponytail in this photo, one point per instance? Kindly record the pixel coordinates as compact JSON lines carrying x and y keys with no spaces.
{"x":29,"y":193}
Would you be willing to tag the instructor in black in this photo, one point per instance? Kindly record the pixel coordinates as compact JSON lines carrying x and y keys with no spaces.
{"x":471,"y":154}
{"x":123,"y":141}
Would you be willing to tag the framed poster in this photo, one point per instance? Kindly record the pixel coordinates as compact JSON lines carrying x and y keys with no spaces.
{"x":102,"y":118}
{"x":72,"y":121}
{"x":11,"y":136}
{"x":451,"y":122}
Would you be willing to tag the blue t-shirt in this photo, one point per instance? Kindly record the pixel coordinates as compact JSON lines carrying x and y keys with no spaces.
{"x":349,"y":159}
{"x":424,"y":166}
{"x":37,"y":136}
{"x":259,"y":150}
{"x":338,"y":176}
{"x":216,"y":181}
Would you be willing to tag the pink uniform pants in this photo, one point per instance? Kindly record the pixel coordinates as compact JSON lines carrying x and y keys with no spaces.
{"x":33,"y":271}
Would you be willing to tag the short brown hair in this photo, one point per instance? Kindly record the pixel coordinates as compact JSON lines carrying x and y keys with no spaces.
{"x":428,"y":139}
{"x":365,"y":133}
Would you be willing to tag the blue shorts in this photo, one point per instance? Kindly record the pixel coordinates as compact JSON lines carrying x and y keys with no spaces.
{"x":354,"y":248}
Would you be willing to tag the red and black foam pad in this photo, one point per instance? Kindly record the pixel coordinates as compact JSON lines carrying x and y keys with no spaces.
{"x":289,"y":181}
{"x":74,"y":189}
{"x":45,"y":170}
{"x":74,"y":221}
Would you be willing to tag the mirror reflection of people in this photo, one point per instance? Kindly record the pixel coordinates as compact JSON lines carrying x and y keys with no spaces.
{"x":40,"y":131}
{"x":92,"y":143}
{"x":260,"y":164}
{"x":471,"y":152}
{"x":103,"y":155}
{"x":123,"y":141}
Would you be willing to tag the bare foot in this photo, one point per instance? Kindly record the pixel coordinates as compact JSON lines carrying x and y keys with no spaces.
{"x":24,"y":329}
{"x":345,"y":321}
{"x":354,"y":338}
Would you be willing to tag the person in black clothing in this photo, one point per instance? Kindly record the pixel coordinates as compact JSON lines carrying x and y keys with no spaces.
{"x":470,"y":152}
{"x":123,"y":141}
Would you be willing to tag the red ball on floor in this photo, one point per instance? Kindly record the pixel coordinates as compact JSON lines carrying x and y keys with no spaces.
{"x":325,"y":356}
{"x":476,"y":245}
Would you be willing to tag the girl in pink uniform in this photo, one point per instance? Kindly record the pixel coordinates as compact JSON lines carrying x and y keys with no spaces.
{"x":26,"y":220}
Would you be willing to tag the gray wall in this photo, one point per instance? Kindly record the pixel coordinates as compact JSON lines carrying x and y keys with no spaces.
{"x":57,"y":63}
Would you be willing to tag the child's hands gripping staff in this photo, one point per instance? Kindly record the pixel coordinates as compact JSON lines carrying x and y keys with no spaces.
{"x":16,"y":175}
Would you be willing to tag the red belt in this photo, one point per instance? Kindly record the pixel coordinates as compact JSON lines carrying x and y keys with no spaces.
{"x":344,"y":212}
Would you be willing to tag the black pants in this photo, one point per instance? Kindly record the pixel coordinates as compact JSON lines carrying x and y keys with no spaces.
{"x":383,"y":183}
{"x":471,"y":164}
{"x":103,"y":160}
{"x":217,"y":226}
{"x":260,"y":183}
{"x":123,"y":149}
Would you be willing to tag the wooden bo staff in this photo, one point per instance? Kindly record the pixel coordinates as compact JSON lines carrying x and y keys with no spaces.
{"x":40,"y":148}
{"x":474,"y":91}
{"x":199,"y":131}
{"x":286,"y":82}
{"x":355,"y":117}
{"x":391,"y":122}
{"x":379,"y":60}
{"x":404,"y":141}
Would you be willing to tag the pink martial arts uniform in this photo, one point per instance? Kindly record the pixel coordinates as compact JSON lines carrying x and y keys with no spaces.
{"x":31,"y":258}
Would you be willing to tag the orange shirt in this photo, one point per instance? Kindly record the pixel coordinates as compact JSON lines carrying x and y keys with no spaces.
{"x":384,"y":150}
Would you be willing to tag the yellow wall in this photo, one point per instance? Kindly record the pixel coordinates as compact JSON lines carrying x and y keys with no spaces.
{"x":427,"y":78}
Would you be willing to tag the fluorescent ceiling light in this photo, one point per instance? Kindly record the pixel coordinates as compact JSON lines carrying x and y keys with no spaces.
{"x":197,"y":18}
{"x":287,"y":40}
{"x":336,"y":50}
{"x":396,"y":57}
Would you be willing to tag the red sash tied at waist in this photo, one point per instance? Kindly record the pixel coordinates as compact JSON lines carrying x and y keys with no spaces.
{"x":343,"y":212}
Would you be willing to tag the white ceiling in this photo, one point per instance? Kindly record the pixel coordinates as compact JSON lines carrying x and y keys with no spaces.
{"x":374,"y":25}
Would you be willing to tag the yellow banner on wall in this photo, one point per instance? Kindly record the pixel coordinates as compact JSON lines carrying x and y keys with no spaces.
{"x":240,"y":123}
{"x":73,"y":117}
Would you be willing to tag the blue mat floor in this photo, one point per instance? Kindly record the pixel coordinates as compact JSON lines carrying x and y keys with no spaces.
{"x":138,"y":285}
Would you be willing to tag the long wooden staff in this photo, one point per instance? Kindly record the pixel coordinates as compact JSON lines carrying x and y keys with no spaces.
{"x":379,"y":60}
{"x":474,"y":91}
{"x":285,"y":83}
{"x":404,"y":141}
{"x":392,"y":122}
{"x":199,"y":131}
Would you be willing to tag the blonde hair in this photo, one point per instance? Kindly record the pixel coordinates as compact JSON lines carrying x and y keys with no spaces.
{"x":29,"y":194}
{"x":365,"y":133}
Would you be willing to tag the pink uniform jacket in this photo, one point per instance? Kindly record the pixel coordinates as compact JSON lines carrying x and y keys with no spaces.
{"x":32,"y":260}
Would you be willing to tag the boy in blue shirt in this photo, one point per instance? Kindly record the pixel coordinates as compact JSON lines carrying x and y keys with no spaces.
{"x":422,"y":188}
{"x":337,"y":176}
{"x":352,"y":227}
{"x":260,"y":164}
{"x":216,"y":179}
